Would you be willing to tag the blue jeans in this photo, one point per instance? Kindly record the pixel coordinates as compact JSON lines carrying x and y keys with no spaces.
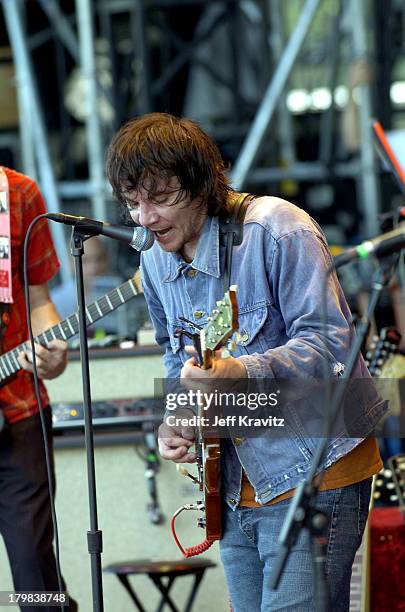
{"x":250,"y":545}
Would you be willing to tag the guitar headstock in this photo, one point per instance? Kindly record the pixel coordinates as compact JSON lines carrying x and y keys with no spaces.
{"x":381,"y":349}
{"x":397,"y":465}
{"x":223,"y":322}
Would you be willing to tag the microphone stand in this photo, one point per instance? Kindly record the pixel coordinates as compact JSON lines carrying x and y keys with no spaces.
{"x":94,"y":536}
{"x":151,"y":468}
{"x":303,"y":512}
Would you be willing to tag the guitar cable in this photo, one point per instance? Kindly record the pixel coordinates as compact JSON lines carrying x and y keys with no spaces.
{"x":198,"y":549}
{"x":40,"y":406}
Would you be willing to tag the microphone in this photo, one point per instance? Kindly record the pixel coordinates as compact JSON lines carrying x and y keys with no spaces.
{"x":139,"y":238}
{"x":385,"y":244}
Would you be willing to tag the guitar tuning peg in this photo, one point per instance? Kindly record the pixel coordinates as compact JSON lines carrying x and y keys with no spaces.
{"x":182,"y":470}
{"x":231,"y":345}
{"x":220,"y":302}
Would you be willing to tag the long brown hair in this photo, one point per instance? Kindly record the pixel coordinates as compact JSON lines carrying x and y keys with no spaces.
{"x":160,"y":146}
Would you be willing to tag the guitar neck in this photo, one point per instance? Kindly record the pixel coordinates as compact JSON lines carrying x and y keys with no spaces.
{"x":9,"y":364}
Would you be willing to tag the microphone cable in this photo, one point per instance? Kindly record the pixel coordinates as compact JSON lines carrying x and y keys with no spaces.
{"x":51,"y":483}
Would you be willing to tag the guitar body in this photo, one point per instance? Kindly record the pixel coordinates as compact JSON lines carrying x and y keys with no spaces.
{"x":212,"y":488}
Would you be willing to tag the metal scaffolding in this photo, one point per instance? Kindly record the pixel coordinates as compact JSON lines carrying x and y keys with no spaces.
{"x":364,"y":171}
{"x":35,"y":153}
{"x":137,"y":24}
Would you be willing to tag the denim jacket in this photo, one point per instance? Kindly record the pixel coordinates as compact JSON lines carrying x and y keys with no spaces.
{"x":279,"y":269}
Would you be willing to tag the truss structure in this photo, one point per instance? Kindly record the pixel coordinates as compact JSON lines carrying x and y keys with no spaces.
{"x":126,"y":57}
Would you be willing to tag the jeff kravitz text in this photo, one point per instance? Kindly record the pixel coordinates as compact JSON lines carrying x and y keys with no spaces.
{"x":229,"y":421}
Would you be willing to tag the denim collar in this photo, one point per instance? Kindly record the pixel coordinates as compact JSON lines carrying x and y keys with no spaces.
{"x":207,"y":256}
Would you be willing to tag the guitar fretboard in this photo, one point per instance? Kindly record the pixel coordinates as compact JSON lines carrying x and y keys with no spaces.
{"x":69,"y":327}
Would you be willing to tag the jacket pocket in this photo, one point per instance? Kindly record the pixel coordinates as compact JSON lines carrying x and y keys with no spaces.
{"x":254,"y":333}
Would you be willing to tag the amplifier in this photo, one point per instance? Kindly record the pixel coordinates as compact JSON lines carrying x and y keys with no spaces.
{"x":114,"y":421}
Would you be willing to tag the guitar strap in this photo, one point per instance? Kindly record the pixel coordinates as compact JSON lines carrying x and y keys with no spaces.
{"x":231,"y":229}
{"x":5,"y":255}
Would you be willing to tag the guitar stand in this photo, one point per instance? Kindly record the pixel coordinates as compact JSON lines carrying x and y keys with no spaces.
{"x":94,"y":536}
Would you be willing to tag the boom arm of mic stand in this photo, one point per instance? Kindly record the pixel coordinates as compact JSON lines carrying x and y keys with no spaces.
{"x":305,"y":494}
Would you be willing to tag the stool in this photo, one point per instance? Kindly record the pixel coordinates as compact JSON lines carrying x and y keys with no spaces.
{"x":159,"y":571}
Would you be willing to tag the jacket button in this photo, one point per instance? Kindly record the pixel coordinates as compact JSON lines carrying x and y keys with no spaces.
{"x":244,"y":336}
{"x":192,"y":273}
{"x":198,"y":314}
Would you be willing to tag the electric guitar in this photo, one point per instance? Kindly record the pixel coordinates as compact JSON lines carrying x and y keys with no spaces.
{"x":381,"y":351}
{"x":222,"y":323}
{"x":9,"y":364}
{"x":379,"y":354}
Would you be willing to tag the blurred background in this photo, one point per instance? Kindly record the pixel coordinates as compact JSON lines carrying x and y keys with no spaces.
{"x":291,"y":119}
{"x":287,"y":88}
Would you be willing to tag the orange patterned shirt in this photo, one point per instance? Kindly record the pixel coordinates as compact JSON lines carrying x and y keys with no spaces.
{"x":17,"y":396}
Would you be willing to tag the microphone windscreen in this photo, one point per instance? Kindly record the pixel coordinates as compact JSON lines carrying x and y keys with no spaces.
{"x":143,"y":239}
